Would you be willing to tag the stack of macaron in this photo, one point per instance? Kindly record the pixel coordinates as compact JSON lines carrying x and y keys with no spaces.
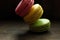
{"x":31,"y":14}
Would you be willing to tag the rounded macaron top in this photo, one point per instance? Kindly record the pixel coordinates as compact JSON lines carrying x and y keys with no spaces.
{"x":35,"y":13}
{"x":23,"y":7}
{"x":40,"y":22}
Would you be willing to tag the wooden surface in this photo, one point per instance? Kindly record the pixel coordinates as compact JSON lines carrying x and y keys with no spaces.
{"x":16,"y":30}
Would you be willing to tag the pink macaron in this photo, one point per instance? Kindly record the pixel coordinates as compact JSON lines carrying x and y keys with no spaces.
{"x":23,"y":7}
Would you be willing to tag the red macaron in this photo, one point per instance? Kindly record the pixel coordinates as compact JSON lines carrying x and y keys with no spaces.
{"x":23,"y":7}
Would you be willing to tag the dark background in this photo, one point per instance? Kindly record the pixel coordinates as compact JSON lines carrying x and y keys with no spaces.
{"x":51,"y":9}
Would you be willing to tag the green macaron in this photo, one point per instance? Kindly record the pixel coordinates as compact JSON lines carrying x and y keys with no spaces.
{"x":40,"y":25}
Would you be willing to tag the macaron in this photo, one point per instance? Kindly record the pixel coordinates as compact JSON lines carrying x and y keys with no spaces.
{"x":35,"y":13}
{"x":40,"y":25}
{"x":23,"y":7}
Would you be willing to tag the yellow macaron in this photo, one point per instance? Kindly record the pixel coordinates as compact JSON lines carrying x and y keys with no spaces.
{"x":35,"y":13}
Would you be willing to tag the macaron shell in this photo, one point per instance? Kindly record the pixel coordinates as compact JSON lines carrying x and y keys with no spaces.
{"x":40,"y":25}
{"x":23,"y":7}
{"x":41,"y":28}
{"x":20,"y":6}
{"x":40,"y":22}
{"x":34,"y":14}
{"x":27,"y":8}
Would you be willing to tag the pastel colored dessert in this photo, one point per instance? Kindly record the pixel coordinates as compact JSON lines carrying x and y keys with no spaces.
{"x":23,"y":7}
{"x":40,"y":25}
{"x":35,"y":13}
